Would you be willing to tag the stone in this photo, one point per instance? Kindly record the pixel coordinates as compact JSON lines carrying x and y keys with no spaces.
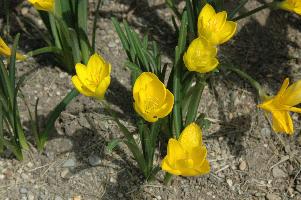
{"x":230,"y":182}
{"x":23,"y":190}
{"x":94,"y":160}
{"x":279,"y":173}
{"x":243,"y":165}
{"x":70,"y":163}
{"x":271,"y":196}
{"x":30,"y":196}
{"x":58,"y":198}
{"x":65,"y":173}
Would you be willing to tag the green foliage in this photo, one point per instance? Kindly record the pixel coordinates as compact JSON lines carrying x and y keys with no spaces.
{"x":11,"y":133}
{"x":143,"y":55}
{"x":68,"y":29}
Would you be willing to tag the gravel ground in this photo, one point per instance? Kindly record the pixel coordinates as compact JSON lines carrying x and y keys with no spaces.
{"x":247,"y":159}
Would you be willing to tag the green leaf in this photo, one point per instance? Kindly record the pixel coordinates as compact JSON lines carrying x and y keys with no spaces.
{"x":75,"y":47}
{"x":203,"y":122}
{"x":178,"y":64}
{"x":43,"y":50}
{"x":237,"y":9}
{"x":12,"y":61}
{"x":96,"y":15}
{"x":113,"y":144}
{"x":1,"y":130}
{"x":121,"y":34}
{"x":55,"y":114}
{"x":13,"y":148}
{"x":195,"y":100}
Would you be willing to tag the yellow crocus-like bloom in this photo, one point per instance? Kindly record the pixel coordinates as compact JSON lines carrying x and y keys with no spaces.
{"x":94,"y":79}
{"x":187,"y":155}
{"x":214,"y":26}
{"x":6,"y":51}
{"x":46,"y":5}
{"x":281,"y":104}
{"x":200,"y":56}
{"x":291,"y":5}
{"x":151,"y":98}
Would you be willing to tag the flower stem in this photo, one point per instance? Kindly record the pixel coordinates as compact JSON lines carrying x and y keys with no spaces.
{"x":262,"y":94}
{"x":195,"y":100}
{"x":272,"y":5}
{"x":167,"y":178}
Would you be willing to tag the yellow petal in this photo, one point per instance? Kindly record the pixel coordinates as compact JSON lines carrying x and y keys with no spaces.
{"x":283,"y":88}
{"x":292,"y":95}
{"x":102,"y":88}
{"x":46,"y":5}
{"x":175,"y":152}
{"x":189,"y":172}
{"x":200,"y":56}
{"x":205,"y":15}
{"x":166,"y":167}
{"x":4,"y":49}
{"x":146,"y":117}
{"x":141,"y":81}
{"x":166,"y":108}
{"x":98,"y":68}
{"x":198,"y":155}
{"x":204,"y":168}
{"x":218,"y":21}
{"x":85,"y":77}
{"x":282,"y":122}
{"x":191,"y":137}
{"x":227,"y":32}
{"x":80,"y":87}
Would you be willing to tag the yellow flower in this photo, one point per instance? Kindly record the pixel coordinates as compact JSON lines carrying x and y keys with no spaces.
{"x":291,"y":5}
{"x":46,"y":5}
{"x":6,"y":51}
{"x":281,"y":104}
{"x":214,"y":26}
{"x":94,"y":79}
{"x":200,"y":56}
{"x":187,"y":155}
{"x":151,"y":98}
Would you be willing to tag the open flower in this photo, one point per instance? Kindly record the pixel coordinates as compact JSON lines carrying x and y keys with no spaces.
{"x":151,"y":98}
{"x":46,"y":5}
{"x":6,"y":51}
{"x":187,"y":155}
{"x":291,"y":5}
{"x":94,"y":79}
{"x":281,"y":104}
{"x":200,"y":56}
{"x":214,"y":26}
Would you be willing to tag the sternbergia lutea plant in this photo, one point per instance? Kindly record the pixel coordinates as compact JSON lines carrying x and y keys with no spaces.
{"x":166,"y":104}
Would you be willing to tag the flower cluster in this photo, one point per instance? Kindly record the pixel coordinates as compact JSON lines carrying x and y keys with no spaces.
{"x":213,"y":30}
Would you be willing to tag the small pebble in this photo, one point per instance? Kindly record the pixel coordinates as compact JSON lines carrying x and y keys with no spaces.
{"x":230,"y":182}
{"x":23,"y":190}
{"x":69,"y":163}
{"x":94,"y":160}
{"x":65,"y":173}
{"x":30,"y":196}
{"x":279,"y":173}
{"x":243,"y":165}
{"x":58,"y":198}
